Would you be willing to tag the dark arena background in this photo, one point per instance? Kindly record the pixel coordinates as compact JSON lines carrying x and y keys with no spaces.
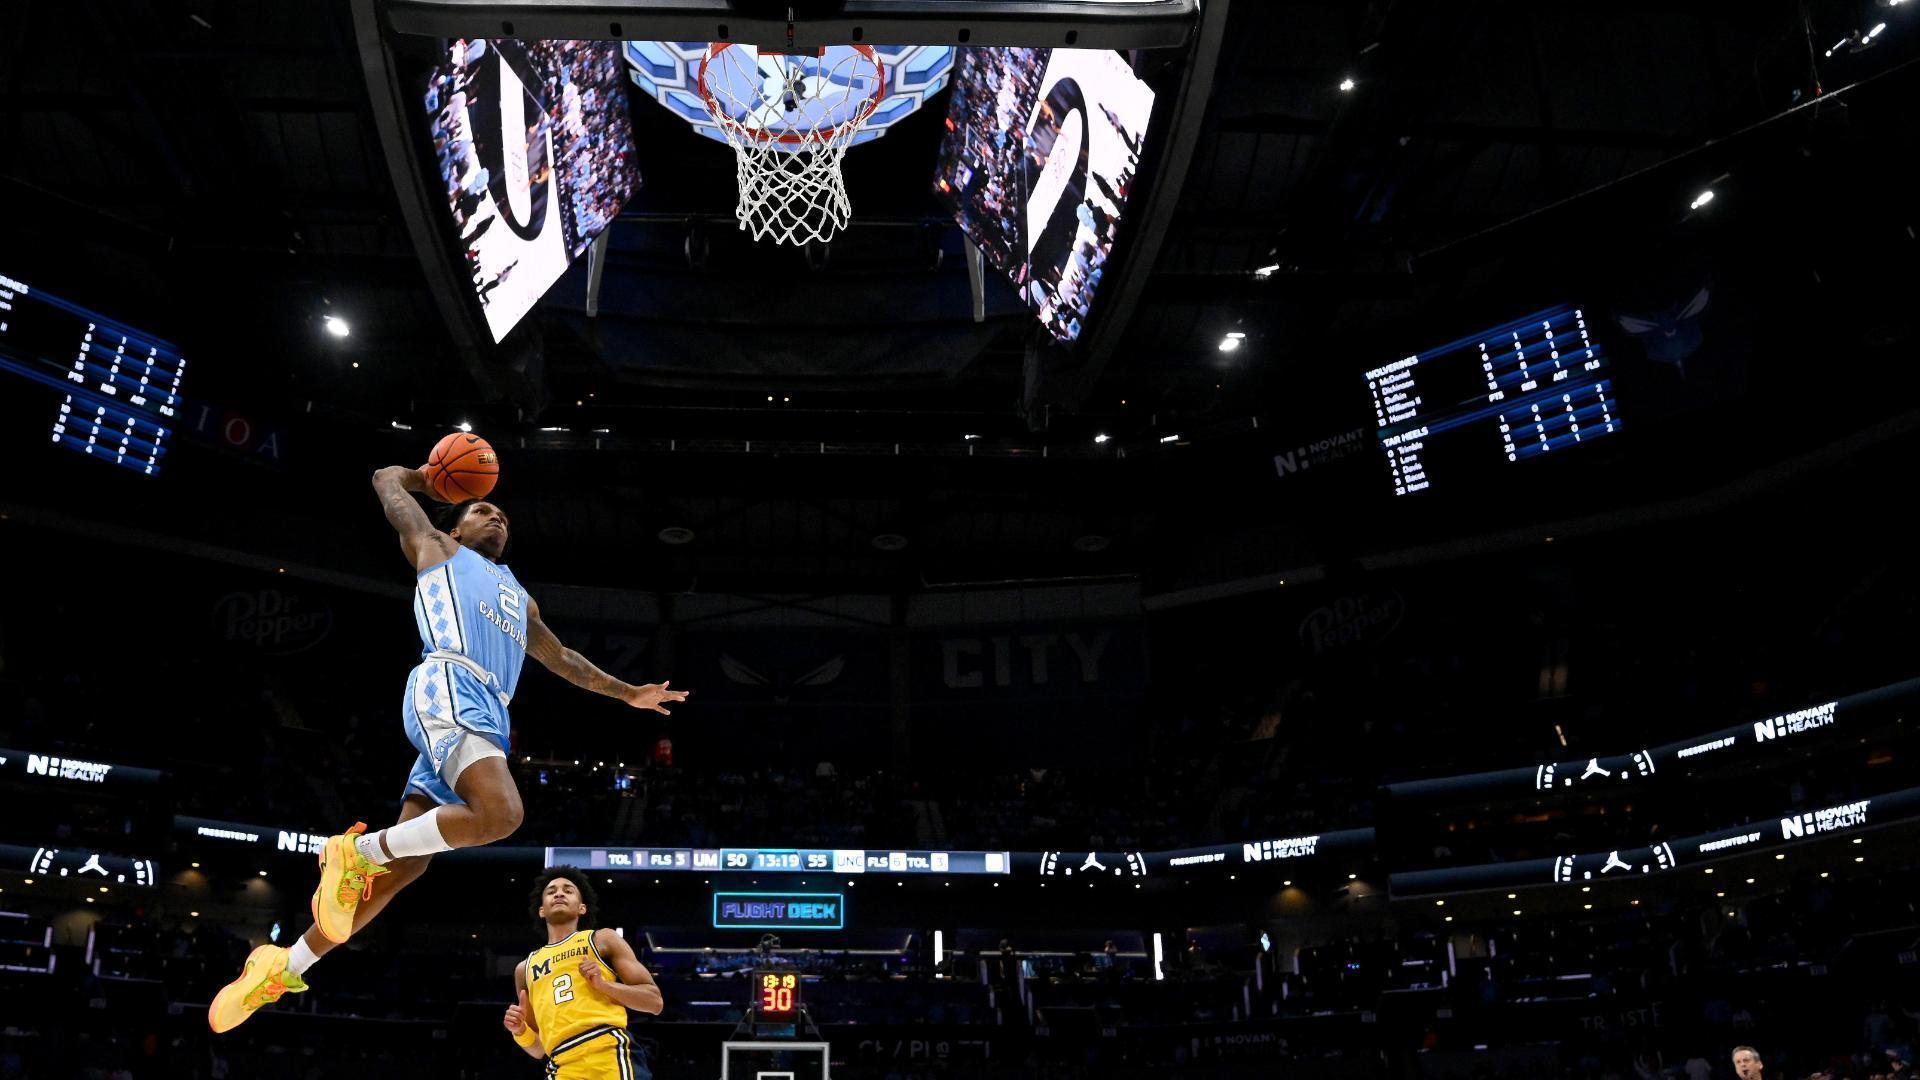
{"x":1278,"y":538}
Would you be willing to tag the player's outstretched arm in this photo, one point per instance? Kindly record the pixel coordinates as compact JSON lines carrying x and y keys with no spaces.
{"x":519,"y":1017}
{"x":636,"y":988}
{"x":423,"y":544}
{"x":543,"y":646}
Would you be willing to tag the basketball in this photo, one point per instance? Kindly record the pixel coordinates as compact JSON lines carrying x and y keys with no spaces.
{"x":462,"y":467}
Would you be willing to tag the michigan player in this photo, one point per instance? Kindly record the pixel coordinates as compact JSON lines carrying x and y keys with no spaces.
{"x":574,"y":991}
{"x":477,"y":624}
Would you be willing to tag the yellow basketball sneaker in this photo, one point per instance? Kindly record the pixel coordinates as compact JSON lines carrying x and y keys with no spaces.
{"x":346,"y":878}
{"x":262,"y":980}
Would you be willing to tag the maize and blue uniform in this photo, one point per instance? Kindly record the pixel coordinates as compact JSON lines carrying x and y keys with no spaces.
{"x":473,"y":636}
{"x":584,"y":1032}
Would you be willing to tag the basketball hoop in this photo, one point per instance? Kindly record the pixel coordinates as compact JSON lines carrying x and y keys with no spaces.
{"x":791,"y":187}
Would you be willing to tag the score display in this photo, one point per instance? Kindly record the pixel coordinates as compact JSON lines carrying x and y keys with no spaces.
{"x":1522,"y":390}
{"x":777,"y":995}
{"x":120,"y":385}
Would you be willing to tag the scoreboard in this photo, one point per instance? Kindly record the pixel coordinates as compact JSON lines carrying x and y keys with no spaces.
{"x":118,"y":386}
{"x":1536,"y":386}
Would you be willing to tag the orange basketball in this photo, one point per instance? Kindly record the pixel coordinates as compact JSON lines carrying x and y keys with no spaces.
{"x":462,"y":467}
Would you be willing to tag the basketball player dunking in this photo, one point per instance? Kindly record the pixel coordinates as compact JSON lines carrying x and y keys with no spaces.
{"x":574,"y":991}
{"x":476,"y":625}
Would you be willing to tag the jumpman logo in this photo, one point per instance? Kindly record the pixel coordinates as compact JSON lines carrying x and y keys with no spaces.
{"x":1593,"y":769}
{"x":1092,"y":863}
{"x":93,"y":864}
{"x":1613,"y":860}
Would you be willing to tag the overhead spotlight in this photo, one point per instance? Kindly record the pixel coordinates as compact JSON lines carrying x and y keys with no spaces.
{"x":464,"y":426}
{"x":969,"y":438}
{"x":398,"y":426}
{"x":1101,"y":438}
{"x":1701,"y":199}
{"x":1346,"y":85}
{"x":1266,"y":272}
{"x":1169,"y":438}
{"x":1232,"y":341}
{"x":1875,"y":32}
{"x":337,"y":326}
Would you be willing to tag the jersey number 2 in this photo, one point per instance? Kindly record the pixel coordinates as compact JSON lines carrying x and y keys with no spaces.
{"x":510,"y":602}
{"x":562,"y":988}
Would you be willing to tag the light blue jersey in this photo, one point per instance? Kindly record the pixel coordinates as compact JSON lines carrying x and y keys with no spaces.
{"x":471,"y":613}
{"x":474,"y":607}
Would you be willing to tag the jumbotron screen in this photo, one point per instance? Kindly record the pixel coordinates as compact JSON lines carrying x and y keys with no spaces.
{"x":118,"y":386}
{"x":534,"y":145}
{"x":1537,"y":386}
{"x":1041,"y":151}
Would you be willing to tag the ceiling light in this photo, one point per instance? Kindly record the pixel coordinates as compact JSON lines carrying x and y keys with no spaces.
{"x":1232,"y":341}
{"x":969,"y":438}
{"x":1101,"y":438}
{"x":1701,"y":199}
{"x":1266,"y":272}
{"x":1346,"y":85}
{"x":1169,"y":438}
{"x":337,"y":326}
{"x":1875,"y":32}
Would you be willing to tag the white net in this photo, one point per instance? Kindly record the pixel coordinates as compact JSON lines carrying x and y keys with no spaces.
{"x":790,"y":119}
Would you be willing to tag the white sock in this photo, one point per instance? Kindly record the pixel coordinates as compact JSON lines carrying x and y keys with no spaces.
{"x":300,"y":957}
{"x":418,"y":836}
{"x":368,"y":845}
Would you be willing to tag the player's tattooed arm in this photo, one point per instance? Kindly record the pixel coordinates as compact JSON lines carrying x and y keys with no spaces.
{"x":543,"y":646}
{"x":423,"y":544}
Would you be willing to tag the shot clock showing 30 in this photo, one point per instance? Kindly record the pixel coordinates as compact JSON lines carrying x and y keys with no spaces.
{"x":777,"y":994}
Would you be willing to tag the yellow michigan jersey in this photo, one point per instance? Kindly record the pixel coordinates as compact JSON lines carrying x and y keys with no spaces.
{"x":585,"y":1033}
